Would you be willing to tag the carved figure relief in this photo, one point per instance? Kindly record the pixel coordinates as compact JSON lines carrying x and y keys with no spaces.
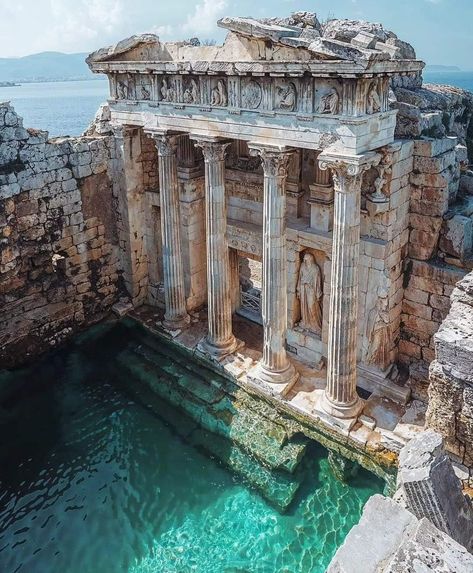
{"x":373,"y":100}
{"x":145,"y":93}
{"x":122,"y":89}
{"x":309,"y":292}
{"x":168,"y":93}
{"x":218,"y":95}
{"x":191,"y":93}
{"x":287,"y":97}
{"x":329,"y":103}
{"x":252,"y":94}
{"x":377,"y":334}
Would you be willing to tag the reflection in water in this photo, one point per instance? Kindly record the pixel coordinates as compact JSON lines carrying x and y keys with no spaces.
{"x":94,"y":482}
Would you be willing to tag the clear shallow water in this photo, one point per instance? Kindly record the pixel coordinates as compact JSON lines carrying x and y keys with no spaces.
{"x":92,"y":481}
{"x":62,"y":108}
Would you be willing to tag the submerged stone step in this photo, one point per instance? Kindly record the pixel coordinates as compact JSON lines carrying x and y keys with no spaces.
{"x":277,"y":486}
{"x":224,"y":414}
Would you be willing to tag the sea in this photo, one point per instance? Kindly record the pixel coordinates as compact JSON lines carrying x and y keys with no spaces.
{"x":67,"y":108}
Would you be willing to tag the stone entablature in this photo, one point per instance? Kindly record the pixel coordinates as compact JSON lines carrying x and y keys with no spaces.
{"x":273,"y":90}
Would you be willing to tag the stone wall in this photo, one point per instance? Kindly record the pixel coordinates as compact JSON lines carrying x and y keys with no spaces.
{"x":450,"y":409}
{"x":58,"y":238}
{"x":438,"y":251}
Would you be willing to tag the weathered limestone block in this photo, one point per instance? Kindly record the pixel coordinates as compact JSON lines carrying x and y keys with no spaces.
{"x":424,"y":236}
{"x":457,"y":236}
{"x":390,"y":539}
{"x":450,"y":409}
{"x":429,"y":487}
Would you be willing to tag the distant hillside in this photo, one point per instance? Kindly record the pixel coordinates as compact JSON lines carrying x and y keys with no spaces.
{"x":439,"y":68}
{"x":46,"y":66}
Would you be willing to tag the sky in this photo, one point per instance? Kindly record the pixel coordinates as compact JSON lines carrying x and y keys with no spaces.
{"x":440,"y":30}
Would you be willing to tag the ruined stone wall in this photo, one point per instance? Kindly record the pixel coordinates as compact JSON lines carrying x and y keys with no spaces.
{"x":58,"y":239}
{"x":450,"y":409}
{"x":438,"y":253}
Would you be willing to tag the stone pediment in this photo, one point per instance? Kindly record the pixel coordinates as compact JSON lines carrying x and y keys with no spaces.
{"x":298,"y":38}
{"x":142,"y":47}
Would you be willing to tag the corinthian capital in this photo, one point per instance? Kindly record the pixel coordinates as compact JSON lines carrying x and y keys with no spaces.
{"x":347,"y":170}
{"x":275,"y":162}
{"x":212,"y":149}
{"x":166,"y":143}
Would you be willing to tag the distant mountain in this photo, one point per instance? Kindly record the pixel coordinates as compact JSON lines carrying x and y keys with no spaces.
{"x":439,"y":68}
{"x":45,"y":67}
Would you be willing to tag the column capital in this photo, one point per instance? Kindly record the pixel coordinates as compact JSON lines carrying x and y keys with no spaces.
{"x":347,"y":170}
{"x":165,"y":141}
{"x":121,"y":130}
{"x":275,"y":160}
{"x":213,"y":148}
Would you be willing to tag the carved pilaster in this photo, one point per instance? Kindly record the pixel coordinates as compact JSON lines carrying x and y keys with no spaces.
{"x":340,"y":398}
{"x":174,"y":292}
{"x":220,"y":340}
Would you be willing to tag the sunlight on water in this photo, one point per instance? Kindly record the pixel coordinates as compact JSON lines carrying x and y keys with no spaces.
{"x":93,"y":481}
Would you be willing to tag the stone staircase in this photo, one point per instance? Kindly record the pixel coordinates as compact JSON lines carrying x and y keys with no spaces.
{"x":214,"y":414}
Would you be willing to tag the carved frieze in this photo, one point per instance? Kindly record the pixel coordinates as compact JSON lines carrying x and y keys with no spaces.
{"x":168,"y":89}
{"x":191,"y":92}
{"x":218,"y":93}
{"x":305,"y":96}
{"x":286,"y":97}
{"x":373,"y":103}
{"x":329,"y":102}
{"x":251,"y":95}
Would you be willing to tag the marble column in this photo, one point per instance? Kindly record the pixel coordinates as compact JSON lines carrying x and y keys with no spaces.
{"x":340,"y":398}
{"x":175,"y":315}
{"x":274,"y":367}
{"x":220,"y":340}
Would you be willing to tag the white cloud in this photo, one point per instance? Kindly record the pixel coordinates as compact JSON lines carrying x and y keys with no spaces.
{"x":165,"y":30}
{"x":205,"y":16}
{"x":86,"y":20}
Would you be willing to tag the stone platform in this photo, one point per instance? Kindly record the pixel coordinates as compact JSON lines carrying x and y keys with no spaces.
{"x":374,"y":439}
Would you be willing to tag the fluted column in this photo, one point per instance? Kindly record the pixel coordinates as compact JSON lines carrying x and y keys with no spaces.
{"x":274,"y":366}
{"x":174,"y":292}
{"x":340,"y":397}
{"x":220,"y":340}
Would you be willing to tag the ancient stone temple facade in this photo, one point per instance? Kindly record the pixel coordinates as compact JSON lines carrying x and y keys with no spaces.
{"x":278,"y":147}
{"x":294,"y":206}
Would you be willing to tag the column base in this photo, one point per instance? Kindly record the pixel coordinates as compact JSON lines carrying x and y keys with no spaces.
{"x":341,"y":410}
{"x":278,"y":382}
{"x":219,"y":352}
{"x":177,"y":323}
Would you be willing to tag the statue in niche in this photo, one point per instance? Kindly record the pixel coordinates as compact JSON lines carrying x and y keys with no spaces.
{"x":252,"y":95}
{"x":374,"y":101}
{"x":191,"y":94}
{"x":167,"y":91}
{"x":329,"y":102}
{"x":122,"y":89}
{"x":287,"y":96}
{"x":145,"y":93}
{"x":377,"y":334}
{"x":309,"y":291}
{"x":218,"y":95}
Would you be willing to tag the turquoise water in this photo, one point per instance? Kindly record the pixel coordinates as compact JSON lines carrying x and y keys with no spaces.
{"x":67,"y":108}
{"x":94,"y":481}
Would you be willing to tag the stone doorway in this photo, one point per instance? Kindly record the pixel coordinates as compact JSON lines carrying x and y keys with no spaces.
{"x":250,"y":272}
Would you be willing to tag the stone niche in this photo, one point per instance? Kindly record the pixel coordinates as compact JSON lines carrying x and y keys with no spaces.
{"x":307,"y":304}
